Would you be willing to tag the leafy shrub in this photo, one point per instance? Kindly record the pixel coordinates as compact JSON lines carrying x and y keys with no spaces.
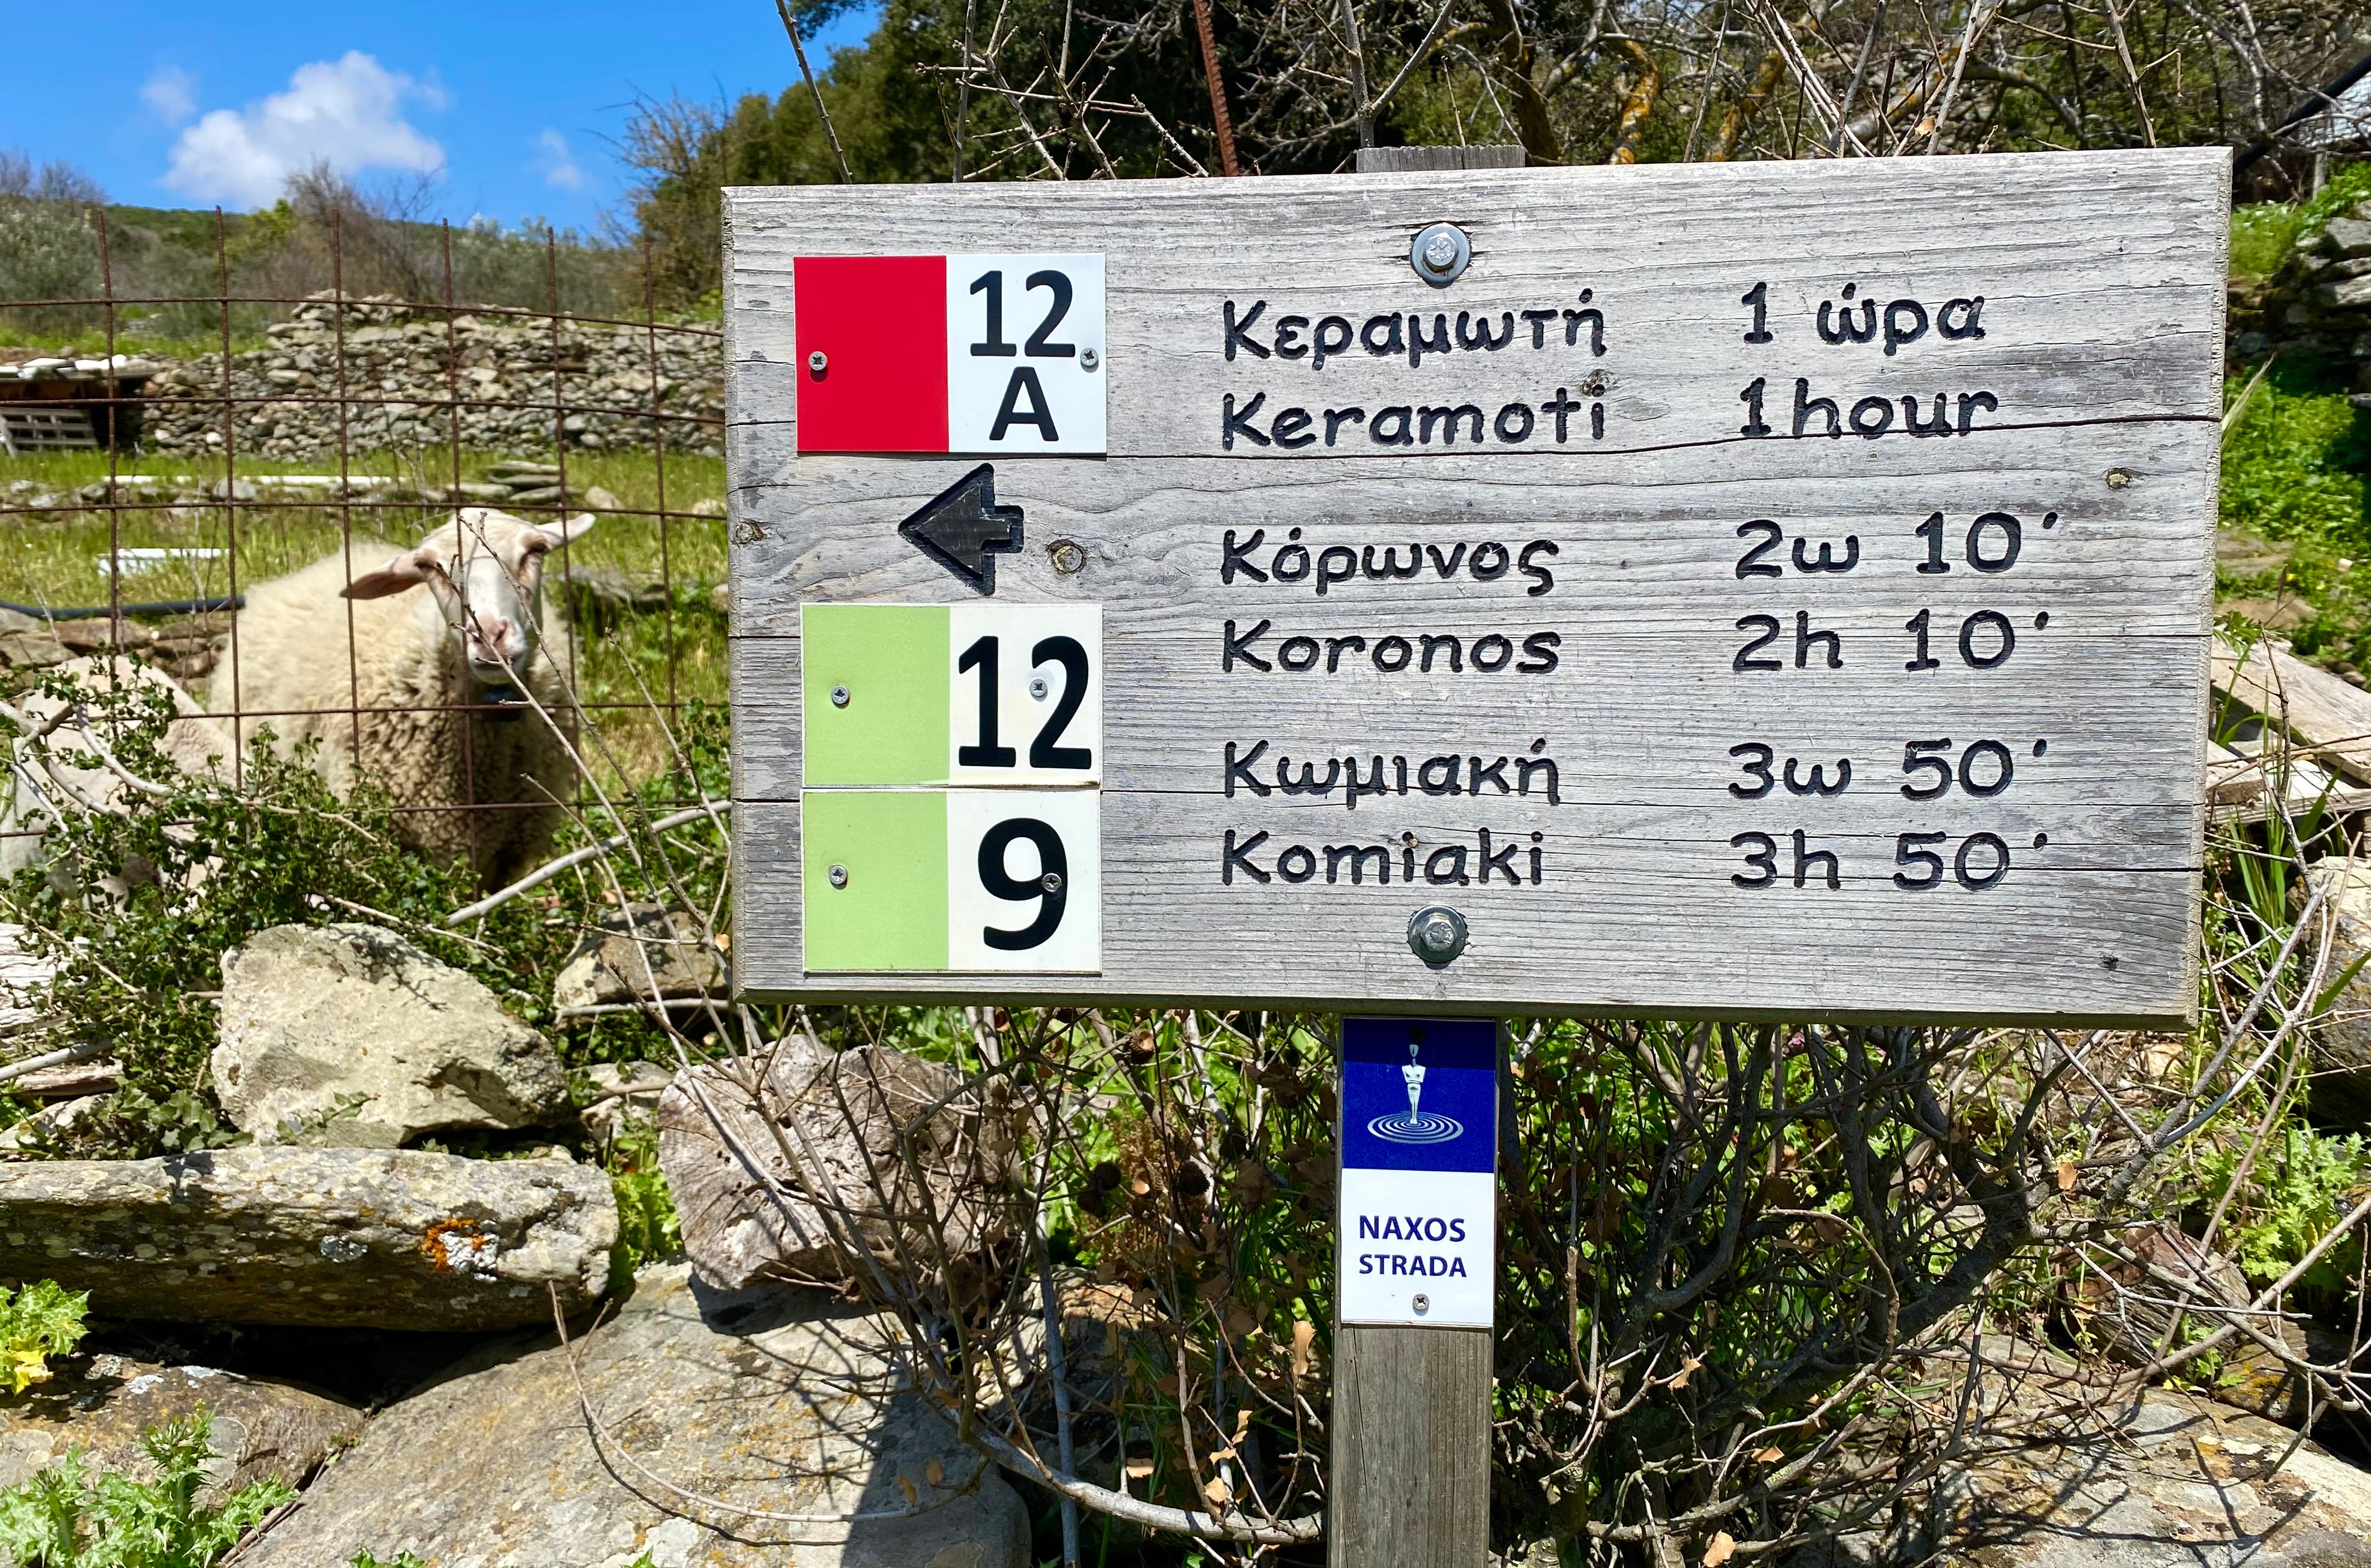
{"x":39,"y":1320}
{"x":71,"y":1517}
{"x":2298,"y":1187}
{"x":647,"y":1227}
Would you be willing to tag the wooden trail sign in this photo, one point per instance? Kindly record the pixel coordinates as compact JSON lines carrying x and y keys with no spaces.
{"x":1743,"y":589}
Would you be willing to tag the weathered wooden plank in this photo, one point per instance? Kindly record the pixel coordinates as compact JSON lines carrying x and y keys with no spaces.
{"x":2331,"y":719}
{"x":1411,"y":1459}
{"x":1419,"y":160}
{"x":2092,"y":396}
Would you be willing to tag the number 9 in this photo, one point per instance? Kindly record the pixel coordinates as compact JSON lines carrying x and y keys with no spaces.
{"x":1051,"y":886}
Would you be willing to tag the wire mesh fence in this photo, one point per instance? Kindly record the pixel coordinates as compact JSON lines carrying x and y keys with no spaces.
{"x":167,"y":453}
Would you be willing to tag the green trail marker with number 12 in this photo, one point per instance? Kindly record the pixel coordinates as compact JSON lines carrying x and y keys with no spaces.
{"x":951,"y":765}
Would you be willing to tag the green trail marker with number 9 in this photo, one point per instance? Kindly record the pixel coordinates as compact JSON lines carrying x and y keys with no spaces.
{"x":903,"y":872}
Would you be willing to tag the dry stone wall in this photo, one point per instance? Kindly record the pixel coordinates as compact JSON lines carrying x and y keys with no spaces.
{"x":2319,"y":303}
{"x":522,"y":385}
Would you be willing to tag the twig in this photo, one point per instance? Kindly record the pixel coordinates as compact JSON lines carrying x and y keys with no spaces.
{"x":551,"y":868}
{"x":832,"y":135}
{"x":66,"y":1057}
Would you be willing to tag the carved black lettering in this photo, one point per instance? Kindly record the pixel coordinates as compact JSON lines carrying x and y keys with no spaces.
{"x":1761,"y":854}
{"x":1970,"y":313}
{"x":1237,"y":334}
{"x":1752,"y":398}
{"x":1309,"y":783}
{"x":1336,"y":564}
{"x":1287,"y":337}
{"x":1545,"y":579}
{"x":1824,"y":562}
{"x":1389,"y":343}
{"x":1561,"y":406}
{"x":1419,"y":345}
{"x":1755,"y":760}
{"x":1539,"y":653}
{"x":1292,"y":563}
{"x":1434,"y":644}
{"x":1818,"y":782}
{"x":1526,"y":766}
{"x":1238,"y":858}
{"x":1480,"y":338}
{"x":1767,"y":625}
{"x":1332,"y":337}
{"x":1234,"y":423}
{"x":1872,"y":417}
{"x":1446,"y":866}
{"x":1337,"y":417}
{"x":1504,"y":860}
{"x":1751,"y":564}
{"x":1354,"y":787}
{"x":1297,"y":653}
{"x":1400,"y":417}
{"x":1401,"y":650}
{"x":1939,"y":425}
{"x":1296,"y":863}
{"x":1232,"y":558}
{"x":1333,"y":646}
{"x":1288,"y":428}
{"x":1446,"y":566}
{"x":1391,"y":566}
{"x":1428,"y":417}
{"x":1806,"y":639}
{"x":1239,"y":770}
{"x":1492,"y":653}
{"x":1970,"y":403}
{"x":1807,"y":862}
{"x":1439,"y":775}
{"x":1844,"y":330}
{"x":1490,"y":562}
{"x":1476,"y":775}
{"x":1241,"y":648}
{"x":1357,"y":856}
{"x":1758,"y":296}
{"x":1539,"y":320}
{"x":1807,"y":405}
{"x":1514,"y":424}
{"x":1596,"y":319}
{"x":1905,"y":322}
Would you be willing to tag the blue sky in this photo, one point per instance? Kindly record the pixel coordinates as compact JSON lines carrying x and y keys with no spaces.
{"x":508,"y":105}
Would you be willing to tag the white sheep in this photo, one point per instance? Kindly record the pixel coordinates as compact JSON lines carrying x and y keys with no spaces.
{"x":60,"y":774}
{"x":439,"y":681}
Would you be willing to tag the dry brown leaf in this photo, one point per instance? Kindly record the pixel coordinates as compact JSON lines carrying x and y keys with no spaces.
{"x":1219,"y":1456}
{"x":1139,"y":1187}
{"x":1138,"y":1468}
{"x":935,"y":1473}
{"x":1718,"y":1550}
{"x":1687,"y":1369}
{"x":1304,"y":1337}
{"x":1217,"y":1490}
{"x":913,"y":1494}
{"x":1768,"y":1456}
{"x":2067,"y":1176}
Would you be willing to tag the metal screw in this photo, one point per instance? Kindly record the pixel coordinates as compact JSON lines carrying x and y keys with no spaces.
{"x":817,"y":363}
{"x":838,"y":874}
{"x":1038,"y":687}
{"x":1423,"y":1304}
{"x":1439,"y":254}
{"x":2119,"y":478}
{"x":1089,"y":359}
{"x":1069,"y":559}
{"x":1437,"y":935}
{"x":840,"y":696}
{"x":1051,"y":881}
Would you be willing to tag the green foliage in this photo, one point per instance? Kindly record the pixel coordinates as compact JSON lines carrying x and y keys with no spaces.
{"x":2293,"y":466}
{"x":2299,"y":1185}
{"x":138,"y":908}
{"x":648,"y":1230}
{"x":39,"y":1320}
{"x":69,"y":1516}
{"x":366,"y":1558}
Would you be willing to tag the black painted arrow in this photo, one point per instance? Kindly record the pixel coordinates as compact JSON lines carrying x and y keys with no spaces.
{"x":963,"y":528}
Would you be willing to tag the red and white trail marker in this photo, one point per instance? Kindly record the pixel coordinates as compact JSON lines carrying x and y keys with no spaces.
{"x":999,"y":354}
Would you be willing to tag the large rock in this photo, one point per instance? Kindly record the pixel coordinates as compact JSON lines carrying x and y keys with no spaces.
{"x":261,"y":1430}
{"x":619,"y":961}
{"x":770,"y":1400}
{"x":747,"y":1213}
{"x":349,"y":1036}
{"x":349,"y":1238}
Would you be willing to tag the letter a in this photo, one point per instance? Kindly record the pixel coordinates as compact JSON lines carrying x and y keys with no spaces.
{"x":1023,"y":376}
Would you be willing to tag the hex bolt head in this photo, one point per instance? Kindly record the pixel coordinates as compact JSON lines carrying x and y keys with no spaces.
{"x":1069,"y":559}
{"x":840,"y":696}
{"x":838,"y":874}
{"x":1439,"y":254}
{"x":1051,"y":881}
{"x":1423,"y":1304}
{"x":1038,"y":687}
{"x":1089,"y":359}
{"x":817,"y":363}
{"x":1436,"y":934}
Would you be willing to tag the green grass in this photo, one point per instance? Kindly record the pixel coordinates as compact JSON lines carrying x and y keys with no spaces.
{"x":2263,"y":235}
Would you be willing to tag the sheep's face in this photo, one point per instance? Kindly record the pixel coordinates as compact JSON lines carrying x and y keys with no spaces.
{"x":485,"y":570}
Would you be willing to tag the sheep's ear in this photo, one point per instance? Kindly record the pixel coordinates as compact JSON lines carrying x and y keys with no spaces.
{"x":406,"y":571}
{"x":557,"y":534}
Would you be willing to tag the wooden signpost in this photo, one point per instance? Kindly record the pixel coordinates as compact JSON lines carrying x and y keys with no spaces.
{"x":1731,"y":591}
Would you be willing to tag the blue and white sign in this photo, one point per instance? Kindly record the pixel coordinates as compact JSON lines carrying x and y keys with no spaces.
{"x":1419,"y":1210}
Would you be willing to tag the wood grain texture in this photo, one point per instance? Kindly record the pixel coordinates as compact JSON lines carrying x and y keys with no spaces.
{"x":2102,"y":276}
{"x":1411,"y":1448}
{"x":2331,"y":719}
{"x":1415,"y":161}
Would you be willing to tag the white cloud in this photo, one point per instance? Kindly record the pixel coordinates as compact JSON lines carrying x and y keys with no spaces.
{"x":171,"y":94}
{"x":347,"y":112}
{"x":555,"y":162}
